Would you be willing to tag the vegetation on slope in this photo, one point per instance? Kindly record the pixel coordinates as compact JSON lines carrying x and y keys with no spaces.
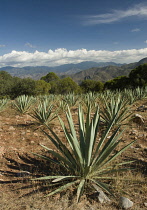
{"x":13,"y":87}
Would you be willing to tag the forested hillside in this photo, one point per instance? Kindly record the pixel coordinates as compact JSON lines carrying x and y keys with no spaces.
{"x":11,"y":87}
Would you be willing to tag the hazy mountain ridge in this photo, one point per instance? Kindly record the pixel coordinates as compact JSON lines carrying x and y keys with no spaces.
{"x":105,"y":73}
{"x":102,"y":71}
{"x":36,"y":72}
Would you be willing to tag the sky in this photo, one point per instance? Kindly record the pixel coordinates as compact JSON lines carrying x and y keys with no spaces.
{"x":56,"y":32}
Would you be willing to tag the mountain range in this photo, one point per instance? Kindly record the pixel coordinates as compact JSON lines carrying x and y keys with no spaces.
{"x":102,"y":71}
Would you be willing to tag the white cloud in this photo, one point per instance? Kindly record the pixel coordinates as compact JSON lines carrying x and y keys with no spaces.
{"x":135,"y":30}
{"x":2,"y":45}
{"x":29,"y":45}
{"x":63,"y":56}
{"x":139,"y":10}
{"x":145,"y":41}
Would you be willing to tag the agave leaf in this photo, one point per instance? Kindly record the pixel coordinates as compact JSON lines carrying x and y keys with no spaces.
{"x":110,"y":171}
{"x":91,"y":134}
{"x":80,"y":189}
{"x":72,"y":138}
{"x":50,"y":159}
{"x":61,"y":147}
{"x":62,"y":188}
{"x":82,"y":132}
{"x":110,"y":145}
{"x":59,"y":157}
{"x":118,"y":153}
{"x":46,"y":178}
{"x":102,"y":186}
{"x":104,"y":136}
{"x":104,"y":156}
{"x":64,"y":177}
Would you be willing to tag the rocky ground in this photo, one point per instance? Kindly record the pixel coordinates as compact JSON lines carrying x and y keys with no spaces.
{"x":20,"y":136}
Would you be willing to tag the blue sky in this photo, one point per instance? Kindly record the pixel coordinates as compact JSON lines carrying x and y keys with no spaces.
{"x":55,"y":32}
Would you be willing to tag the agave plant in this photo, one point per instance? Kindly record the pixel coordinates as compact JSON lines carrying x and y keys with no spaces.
{"x":62,"y":106}
{"x":140,"y":92}
{"x":3,"y":103}
{"x":85,"y":159}
{"x":89,"y":99}
{"x":23,"y":103}
{"x":129,"y":95}
{"x":116,"y":106}
{"x":43,"y":113}
{"x":70,"y":99}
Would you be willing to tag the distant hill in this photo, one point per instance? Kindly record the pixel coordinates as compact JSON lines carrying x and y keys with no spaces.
{"x":106,"y":73}
{"x":102,"y":71}
{"x":36,"y":72}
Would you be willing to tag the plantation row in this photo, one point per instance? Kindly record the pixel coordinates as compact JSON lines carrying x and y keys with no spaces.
{"x":45,"y":108}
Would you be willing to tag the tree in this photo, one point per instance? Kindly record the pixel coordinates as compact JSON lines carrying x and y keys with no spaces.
{"x":138,"y":76}
{"x":91,"y":86}
{"x":51,"y":76}
{"x":120,"y":82}
{"x":23,"y":87}
{"x":55,"y":87}
{"x":6,"y":84}
{"x":42,"y":87}
{"x":67,"y":85}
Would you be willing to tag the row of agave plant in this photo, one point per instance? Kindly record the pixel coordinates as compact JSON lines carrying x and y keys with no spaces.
{"x":108,"y":101}
{"x":87,"y":157}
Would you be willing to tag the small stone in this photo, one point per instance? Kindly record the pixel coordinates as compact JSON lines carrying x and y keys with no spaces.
{"x":125,"y":203}
{"x":32,"y":142}
{"x":35,"y":134}
{"x":103,"y":198}
{"x":145,"y":204}
{"x":11,"y":128}
{"x":137,"y":118}
{"x":108,"y":137}
{"x":140,"y":135}
{"x":101,"y":195}
{"x":23,"y":133}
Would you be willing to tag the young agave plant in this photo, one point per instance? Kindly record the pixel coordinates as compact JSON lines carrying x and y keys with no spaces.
{"x":117,"y":107}
{"x":85,"y":159}
{"x":90,"y":99}
{"x":140,"y":92}
{"x":3,"y":103}
{"x":70,"y":99}
{"x":23,"y":103}
{"x":63,"y":106}
{"x":43,"y":113}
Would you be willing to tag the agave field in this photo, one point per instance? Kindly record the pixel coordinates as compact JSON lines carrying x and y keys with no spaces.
{"x":56,"y":150}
